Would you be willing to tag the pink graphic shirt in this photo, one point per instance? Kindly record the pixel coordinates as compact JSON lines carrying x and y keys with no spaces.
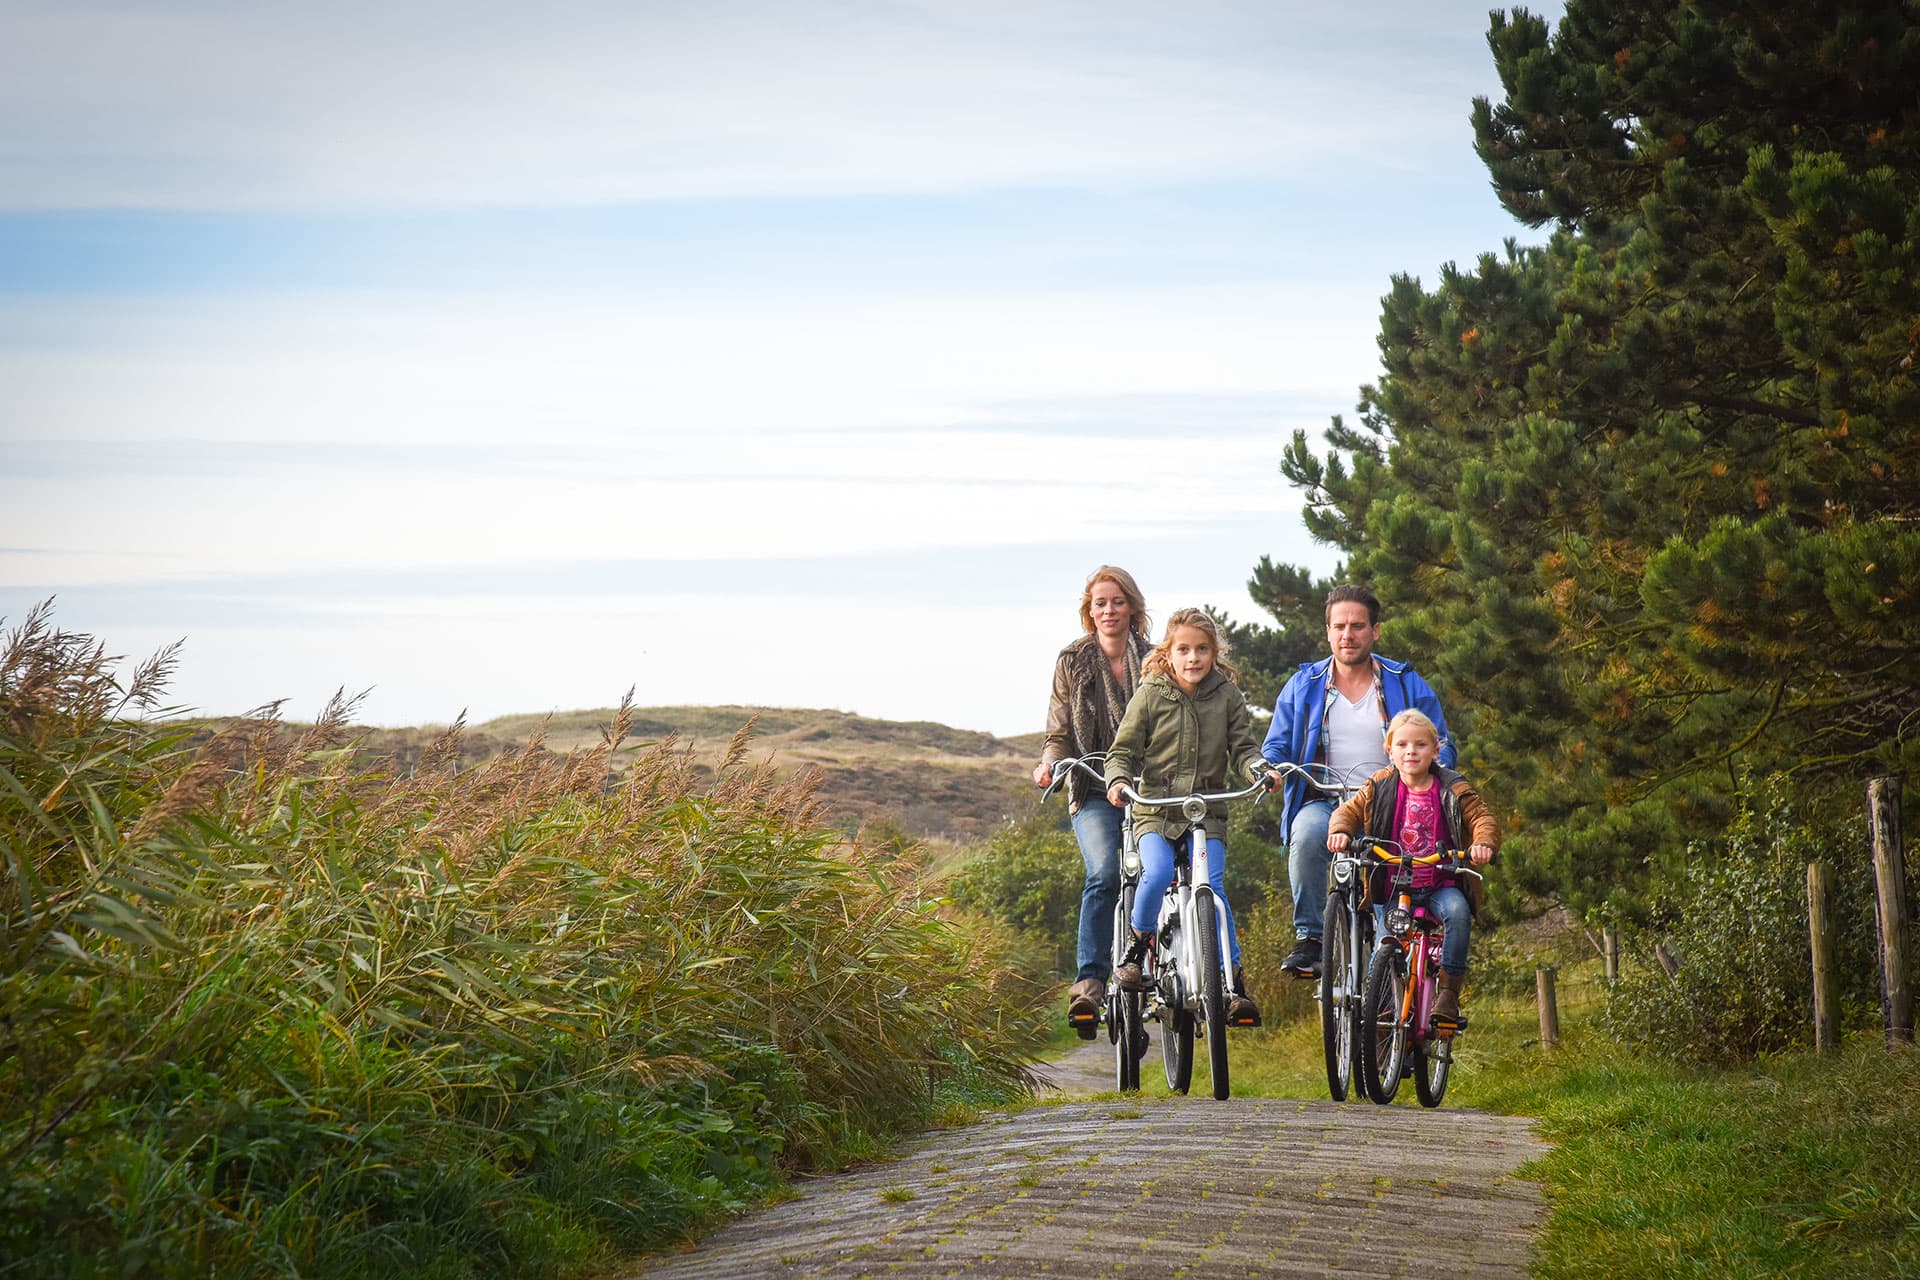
{"x":1421,"y":827}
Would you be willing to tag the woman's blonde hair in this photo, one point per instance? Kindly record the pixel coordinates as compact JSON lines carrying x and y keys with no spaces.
{"x":1418,"y":719}
{"x":1200,"y":620}
{"x":1128,"y":587}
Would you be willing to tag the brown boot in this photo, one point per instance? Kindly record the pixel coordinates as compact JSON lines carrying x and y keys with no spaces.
{"x":1083,"y":1005}
{"x":1446,"y":1004}
{"x":1127,"y":975}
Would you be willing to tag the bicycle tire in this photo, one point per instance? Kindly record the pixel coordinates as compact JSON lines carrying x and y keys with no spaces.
{"x":1176,"y":1047}
{"x":1213,"y":993}
{"x":1339,"y":997}
{"x":1383,"y":1036}
{"x":1126,"y":1045}
{"x":1430,"y":1076}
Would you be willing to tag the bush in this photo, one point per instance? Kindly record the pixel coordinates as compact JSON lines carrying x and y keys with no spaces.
{"x":1029,"y":877}
{"x":1744,"y":985}
{"x":266,"y":1009}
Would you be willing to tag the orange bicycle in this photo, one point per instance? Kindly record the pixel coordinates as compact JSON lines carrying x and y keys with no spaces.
{"x":1399,"y":1034}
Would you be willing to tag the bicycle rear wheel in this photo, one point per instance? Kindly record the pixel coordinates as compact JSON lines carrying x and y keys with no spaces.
{"x":1383,"y":1036}
{"x":1176,"y":1047}
{"x":1213,"y":994}
{"x":1339,"y":996}
{"x":1430,"y":1072}
{"x":1127,"y":1040}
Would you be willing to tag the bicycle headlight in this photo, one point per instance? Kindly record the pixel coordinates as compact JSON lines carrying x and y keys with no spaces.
{"x":1343,"y":871}
{"x":1130,"y":860}
{"x":1399,"y":920}
{"x":1193,"y":808}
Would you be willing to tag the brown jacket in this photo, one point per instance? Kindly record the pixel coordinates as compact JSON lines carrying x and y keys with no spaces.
{"x":1369,"y":811}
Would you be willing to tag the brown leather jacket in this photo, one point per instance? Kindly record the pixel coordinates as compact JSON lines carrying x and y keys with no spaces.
{"x":1369,"y":811}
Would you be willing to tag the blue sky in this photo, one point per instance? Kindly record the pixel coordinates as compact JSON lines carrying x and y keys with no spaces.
{"x":497,"y":358}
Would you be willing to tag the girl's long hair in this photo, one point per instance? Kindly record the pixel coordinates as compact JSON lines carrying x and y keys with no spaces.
{"x":1199,"y":619}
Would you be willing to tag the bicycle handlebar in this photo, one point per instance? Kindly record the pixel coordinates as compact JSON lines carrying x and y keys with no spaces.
{"x":1174,"y":802}
{"x":1389,"y":851}
{"x":1066,"y":764}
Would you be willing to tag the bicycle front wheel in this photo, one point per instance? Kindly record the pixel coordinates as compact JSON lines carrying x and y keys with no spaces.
{"x":1213,"y":993}
{"x":1339,"y":995}
{"x":1383,"y":1036}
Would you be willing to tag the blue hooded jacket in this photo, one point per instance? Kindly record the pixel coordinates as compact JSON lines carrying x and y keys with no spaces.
{"x":1294,"y":737}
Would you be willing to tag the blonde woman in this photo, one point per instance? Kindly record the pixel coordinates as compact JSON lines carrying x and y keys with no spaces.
{"x":1093,"y":679}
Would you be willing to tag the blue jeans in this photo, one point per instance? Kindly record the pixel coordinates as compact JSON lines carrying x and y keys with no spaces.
{"x":1451,"y":906}
{"x":1307,"y":860}
{"x":1156,"y":873}
{"x":1097,"y":827}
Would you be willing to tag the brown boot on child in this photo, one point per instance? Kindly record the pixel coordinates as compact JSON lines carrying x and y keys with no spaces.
{"x":1446,"y":1004}
{"x":1127,"y":975}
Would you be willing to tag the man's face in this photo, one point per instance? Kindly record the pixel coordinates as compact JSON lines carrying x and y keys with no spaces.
{"x":1349,"y":635}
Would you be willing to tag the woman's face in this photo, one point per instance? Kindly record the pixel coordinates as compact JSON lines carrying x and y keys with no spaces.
{"x":1111,"y":610}
{"x":1189,"y":656}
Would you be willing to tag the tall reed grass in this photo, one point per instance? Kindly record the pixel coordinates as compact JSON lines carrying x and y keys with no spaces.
{"x":269,"y":1009}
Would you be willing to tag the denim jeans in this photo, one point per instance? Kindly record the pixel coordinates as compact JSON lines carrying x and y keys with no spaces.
{"x":1156,"y":873}
{"x":1307,"y":860}
{"x":1451,"y":906}
{"x":1097,"y":827}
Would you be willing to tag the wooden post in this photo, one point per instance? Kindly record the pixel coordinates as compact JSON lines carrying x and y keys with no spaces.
{"x":1890,"y":885}
{"x":1549,"y":1011}
{"x":1610,"y":951}
{"x":1826,"y":1000}
{"x":1668,"y":963}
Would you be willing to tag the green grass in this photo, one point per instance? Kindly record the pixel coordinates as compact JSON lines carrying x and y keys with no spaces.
{"x":1793,"y":1165}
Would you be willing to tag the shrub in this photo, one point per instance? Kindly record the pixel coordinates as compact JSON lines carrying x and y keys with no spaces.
{"x":1739,"y":926}
{"x":269,"y":1009}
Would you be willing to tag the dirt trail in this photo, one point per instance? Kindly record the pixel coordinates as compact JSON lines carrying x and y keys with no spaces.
{"x":1245,"y":1187}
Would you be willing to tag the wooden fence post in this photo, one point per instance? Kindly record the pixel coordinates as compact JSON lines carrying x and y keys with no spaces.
{"x":1549,"y":1010}
{"x":1890,"y":885}
{"x":1610,"y":951}
{"x":1826,"y":1027}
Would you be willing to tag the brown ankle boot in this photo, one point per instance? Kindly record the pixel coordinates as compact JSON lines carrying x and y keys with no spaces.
{"x":1127,"y":975}
{"x":1446,"y":1005}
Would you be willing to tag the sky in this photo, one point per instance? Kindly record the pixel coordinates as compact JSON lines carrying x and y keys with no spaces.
{"x":498,"y":358}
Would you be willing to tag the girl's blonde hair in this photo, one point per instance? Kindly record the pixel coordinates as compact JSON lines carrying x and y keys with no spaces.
{"x":1418,"y":719}
{"x":1128,"y":587}
{"x":1161,"y":660}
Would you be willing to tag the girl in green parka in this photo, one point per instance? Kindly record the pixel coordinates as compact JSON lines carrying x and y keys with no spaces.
{"x":1186,"y":729}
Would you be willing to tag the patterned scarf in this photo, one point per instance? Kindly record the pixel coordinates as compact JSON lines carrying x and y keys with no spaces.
{"x":1099,"y":700}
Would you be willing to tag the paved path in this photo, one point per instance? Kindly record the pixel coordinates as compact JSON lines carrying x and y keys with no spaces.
{"x":1245,"y":1187}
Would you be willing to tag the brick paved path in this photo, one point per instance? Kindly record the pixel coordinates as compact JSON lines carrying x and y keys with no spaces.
{"x":1245,"y":1187}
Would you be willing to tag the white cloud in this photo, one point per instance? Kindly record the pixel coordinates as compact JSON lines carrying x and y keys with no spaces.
{"x":514,"y":367}
{"x":216,"y":105}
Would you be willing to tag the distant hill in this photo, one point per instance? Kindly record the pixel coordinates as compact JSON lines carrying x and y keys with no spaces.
{"x":933,"y":781}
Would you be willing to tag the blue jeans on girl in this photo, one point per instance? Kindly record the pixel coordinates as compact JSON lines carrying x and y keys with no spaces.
{"x":1156,"y":861}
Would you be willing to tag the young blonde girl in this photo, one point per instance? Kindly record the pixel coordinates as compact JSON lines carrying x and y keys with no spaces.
{"x":1421,"y":805}
{"x":1186,"y":729}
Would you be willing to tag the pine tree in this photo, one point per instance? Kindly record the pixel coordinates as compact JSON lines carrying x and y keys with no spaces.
{"x":1646,"y":498}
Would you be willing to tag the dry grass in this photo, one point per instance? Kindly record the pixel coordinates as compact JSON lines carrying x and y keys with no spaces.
{"x":298,"y":1007}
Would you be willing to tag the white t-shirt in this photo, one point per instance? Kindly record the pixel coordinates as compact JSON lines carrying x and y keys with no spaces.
{"x":1356,"y":745}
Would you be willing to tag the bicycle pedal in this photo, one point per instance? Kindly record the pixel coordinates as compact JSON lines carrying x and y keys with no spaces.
{"x":1446,"y":1028}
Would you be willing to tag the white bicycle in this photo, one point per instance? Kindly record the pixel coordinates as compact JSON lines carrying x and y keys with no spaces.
{"x":1191,"y":971}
